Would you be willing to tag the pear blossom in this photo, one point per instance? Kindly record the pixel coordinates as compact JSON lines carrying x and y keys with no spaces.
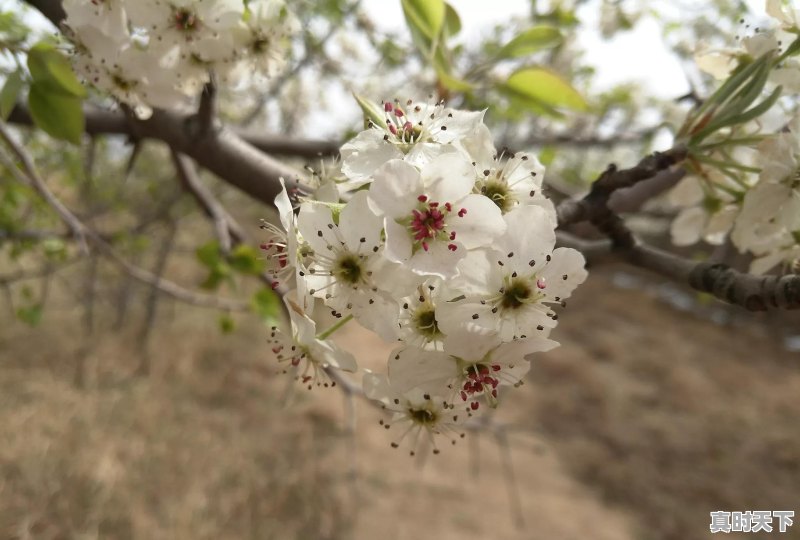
{"x":416,"y":133}
{"x":707,"y":214}
{"x":107,"y":17}
{"x":418,"y":325}
{"x":431,"y":216}
{"x":449,"y":250}
{"x":782,"y":250}
{"x":305,"y":355}
{"x":198,"y":27}
{"x":416,"y":413}
{"x":470,"y":369}
{"x":509,"y":288}
{"x":260,"y":40}
{"x":344,"y":256}
{"x":507,"y":181}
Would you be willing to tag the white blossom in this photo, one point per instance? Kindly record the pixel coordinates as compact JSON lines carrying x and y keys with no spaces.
{"x":417,"y":133}
{"x":431,"y":217}
{"x":471,"y":368}
{"x":303,"y":354}
{"x":415,"y":413}
{"x":508,"y":289}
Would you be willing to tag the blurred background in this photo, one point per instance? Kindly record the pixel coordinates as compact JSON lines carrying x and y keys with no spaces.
{"x":126,"y":414}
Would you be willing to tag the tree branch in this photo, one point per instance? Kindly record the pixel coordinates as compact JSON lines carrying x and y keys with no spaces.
{"x":229,"y":232}
{"x":28,"y":175}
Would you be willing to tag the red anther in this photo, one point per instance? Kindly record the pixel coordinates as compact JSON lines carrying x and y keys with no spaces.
{"x":275,"y":285}
{"x":474,"y":405}
{"x":463,"y":395}
{"x":388,"y":107}
{"x":306,"y":378}
{"x":462,"y":212}
{"x":448,"y":206}
{"x":276,"y":350}
{"x":398,"y":112}
{"x":421,"y":198}
{"x":425,"y":246}
{"x":434,"y":205}
{"x":453,"y":235}
{"x":265,"y":246}
{"x":452,"y":247}
{"x":408,"y":126}
{"x":494,"y":394}
{"x":540,"y":283}
{"x":496,"y":367}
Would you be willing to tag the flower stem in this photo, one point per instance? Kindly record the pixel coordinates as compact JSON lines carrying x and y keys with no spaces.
{"x":326,"y":334}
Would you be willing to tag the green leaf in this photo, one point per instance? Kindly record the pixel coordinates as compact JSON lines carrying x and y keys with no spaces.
{"x":266,"y":304}
{"x":530,"y":41}
{"x":541,"y":88}
{"x":47,"y":64}
{"x":245,"y":259}
{"x":209,"y":254}
{"x":451,"y":82}
{"x":10,"y":93}
{"x":215,"y":277}
{"x":427,"y":16}
{"x":372,"y":113}
{"x":452,"y":22}
{"x":57,"y":114}
{"x":31,"y":315}
{"x":226,"y":324}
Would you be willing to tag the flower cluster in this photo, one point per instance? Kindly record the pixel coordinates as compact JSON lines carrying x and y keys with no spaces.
{"x":427,"y":236}
{"x":745,"y":184}
{"x":160,"y":53}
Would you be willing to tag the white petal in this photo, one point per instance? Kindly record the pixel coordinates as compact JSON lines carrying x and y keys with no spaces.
{"x":564,"y":262}
{"x":395,"y":189}
{"x":437,"y":261}
{"x":448,"y":178}
{"x":688,"y":226}
{"x":530,"y":236}
{"x":360,"y":227}
{"x":315,"y":223}
{"x":410,"y":367}
{"x":362,"y":155}
{"x":398,"y":242}
{"x":482,"y":223}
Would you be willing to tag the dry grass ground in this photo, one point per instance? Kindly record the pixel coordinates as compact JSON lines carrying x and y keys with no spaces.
{"x":639,"y":425}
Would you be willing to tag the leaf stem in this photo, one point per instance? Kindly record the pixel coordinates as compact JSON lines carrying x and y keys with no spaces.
{"x":326,"y":334}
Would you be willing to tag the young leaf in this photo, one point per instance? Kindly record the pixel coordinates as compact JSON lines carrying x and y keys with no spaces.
{"x":266,"y":305}
{"x":57,"y":114}
{"x":452,"y":22}
{"x":543,"y":88}
{"x":31,"y":315}
{"x":10,"y":93}
{"x":226,"y":323}
{"x":245,"y":259}
{"x":371,"y":111}
{"x":47,"y":64}
{"x":209,"y":254}
{"x":427,"y":16}
{"x":530,"y":41}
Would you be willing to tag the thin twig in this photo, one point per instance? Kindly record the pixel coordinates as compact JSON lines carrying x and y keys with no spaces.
{"x":28,"y":175}
{"x":228,"y":231}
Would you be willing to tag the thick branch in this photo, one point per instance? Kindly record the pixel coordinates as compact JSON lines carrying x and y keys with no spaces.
{"x":595,"y":205}
{"x":104,"y":122}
